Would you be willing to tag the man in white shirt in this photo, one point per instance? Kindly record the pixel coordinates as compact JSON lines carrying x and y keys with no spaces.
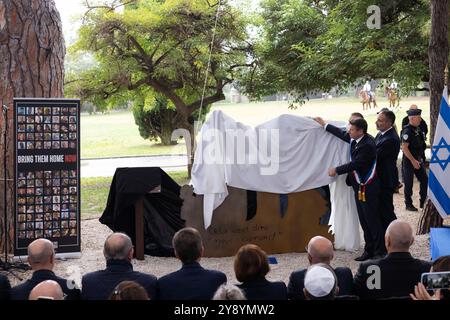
{"x":367,"y":88}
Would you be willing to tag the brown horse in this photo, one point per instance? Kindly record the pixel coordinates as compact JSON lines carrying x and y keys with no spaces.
{"x":367,"y":100}
{"x":393,"y":97}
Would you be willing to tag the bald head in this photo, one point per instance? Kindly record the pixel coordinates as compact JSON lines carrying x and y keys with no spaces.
{"x":41,"y":254}
{"x":320,"y":250}
{"x":399,"y":237}
{"x":413,"y":107}
{"x":118,"y":246}
{"x":47,"y":290}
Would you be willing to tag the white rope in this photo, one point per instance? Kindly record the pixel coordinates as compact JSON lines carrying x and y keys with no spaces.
{"x":209,"y":60}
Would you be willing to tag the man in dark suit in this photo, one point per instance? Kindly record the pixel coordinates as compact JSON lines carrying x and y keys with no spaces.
{"x":388,"y":148}
{"x":362,"y":178}
{"x":41,"y":257}
{"x":192,"y":281}
{"x":320,"y":250}
{"x":5,"y":288}
{"x":396,"y":274}
{"x":118,"y":252}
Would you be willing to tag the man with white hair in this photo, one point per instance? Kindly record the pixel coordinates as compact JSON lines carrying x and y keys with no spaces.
{"x":47,"y":290}
{"x":41,"y":257}
{"x":396,"y":274}
{"x":320,"y":283}
{"x":118,"y":251}
{"x":320,"y":251}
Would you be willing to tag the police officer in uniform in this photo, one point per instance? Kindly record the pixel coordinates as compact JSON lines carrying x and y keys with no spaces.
{"x":413,"y":163}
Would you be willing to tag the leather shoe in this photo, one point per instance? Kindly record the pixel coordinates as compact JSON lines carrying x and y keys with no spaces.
{"x":422,"y":204}
{"x":410,"y":207}
{"x":365,"y":256}
{"x":397,"y":188}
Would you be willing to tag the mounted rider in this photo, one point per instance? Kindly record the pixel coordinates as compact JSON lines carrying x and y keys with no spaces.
{"x":367,"y":88}
{"x":394,"y":87}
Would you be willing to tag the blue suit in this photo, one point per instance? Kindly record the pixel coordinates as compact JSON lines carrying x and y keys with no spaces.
{"x":22,"y":291}
{"x":296,"y":283}
{"x":100,"y":284}
{"x":262,"y":289}
{"x":191,"y":282}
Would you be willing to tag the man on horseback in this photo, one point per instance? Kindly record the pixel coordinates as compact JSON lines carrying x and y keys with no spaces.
{"x":367,"y":88}
{"x":393,"y":94}
{"x":393,"y":86}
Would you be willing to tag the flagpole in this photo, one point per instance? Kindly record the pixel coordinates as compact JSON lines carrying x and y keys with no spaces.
{"x":446,"y":75}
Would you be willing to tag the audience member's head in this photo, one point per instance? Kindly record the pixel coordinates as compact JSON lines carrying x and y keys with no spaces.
{"x":250,"y":263}
{"x":129,"y":290}
{"x":320,"y":283}
{"x":47,"y":290}
{"x":118,"y":246}
{"x":320,"y":250}
{"x":188,"y":246}
{"x":399,"y":237}
{"x":41,"y":255}
{"x":229,"y":292}
{"x":442,"y":264}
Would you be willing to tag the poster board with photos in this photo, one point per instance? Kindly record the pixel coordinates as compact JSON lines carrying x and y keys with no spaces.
{"x":47,"y":173}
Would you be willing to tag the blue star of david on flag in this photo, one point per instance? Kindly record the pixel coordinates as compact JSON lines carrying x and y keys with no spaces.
{"x":435,"y":157}
{"x":439,"y":176}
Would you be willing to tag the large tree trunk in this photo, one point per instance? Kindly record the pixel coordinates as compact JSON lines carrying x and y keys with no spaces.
{"x":32,"y":54}
{"x":438,"y":57}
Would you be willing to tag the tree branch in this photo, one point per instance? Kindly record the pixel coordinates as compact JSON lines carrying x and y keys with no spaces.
{"x":219,"y":96}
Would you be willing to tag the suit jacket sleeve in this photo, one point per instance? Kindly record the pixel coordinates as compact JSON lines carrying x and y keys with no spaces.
{"x":345,"y":281}
{"x":295,"y":287}
{"x":388,"y":149}
{"x":363,"y":156}
{"x":5,"y":288}
{"x":339,"y":133}
{"x":360,"y":281}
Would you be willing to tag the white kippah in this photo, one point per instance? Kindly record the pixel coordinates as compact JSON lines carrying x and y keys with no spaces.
{"x":319,"y":281}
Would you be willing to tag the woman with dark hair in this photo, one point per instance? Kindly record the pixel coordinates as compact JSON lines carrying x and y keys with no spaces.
{"x":129,"y":290}
{"x":251,"y":267}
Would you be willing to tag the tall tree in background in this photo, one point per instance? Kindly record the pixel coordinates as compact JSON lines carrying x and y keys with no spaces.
{"x":32,"y":65}
{"x":156,"y":47}
{"x":438,"y":56}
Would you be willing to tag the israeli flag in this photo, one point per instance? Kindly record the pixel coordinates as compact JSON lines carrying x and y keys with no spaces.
{"x":439,"y":180}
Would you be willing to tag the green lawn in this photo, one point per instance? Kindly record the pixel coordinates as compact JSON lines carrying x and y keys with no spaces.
{"x":94,"y":193}
{"x":116,"y":134}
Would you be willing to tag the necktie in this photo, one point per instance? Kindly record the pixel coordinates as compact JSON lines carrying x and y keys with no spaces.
{"x":352,"y":145}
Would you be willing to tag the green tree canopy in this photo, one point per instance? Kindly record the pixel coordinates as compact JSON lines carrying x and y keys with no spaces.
{"x":311,"y":46}
{"x":161,"y":48}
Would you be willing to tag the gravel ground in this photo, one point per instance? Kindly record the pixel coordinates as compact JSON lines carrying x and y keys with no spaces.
{"x":94,"y":234}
